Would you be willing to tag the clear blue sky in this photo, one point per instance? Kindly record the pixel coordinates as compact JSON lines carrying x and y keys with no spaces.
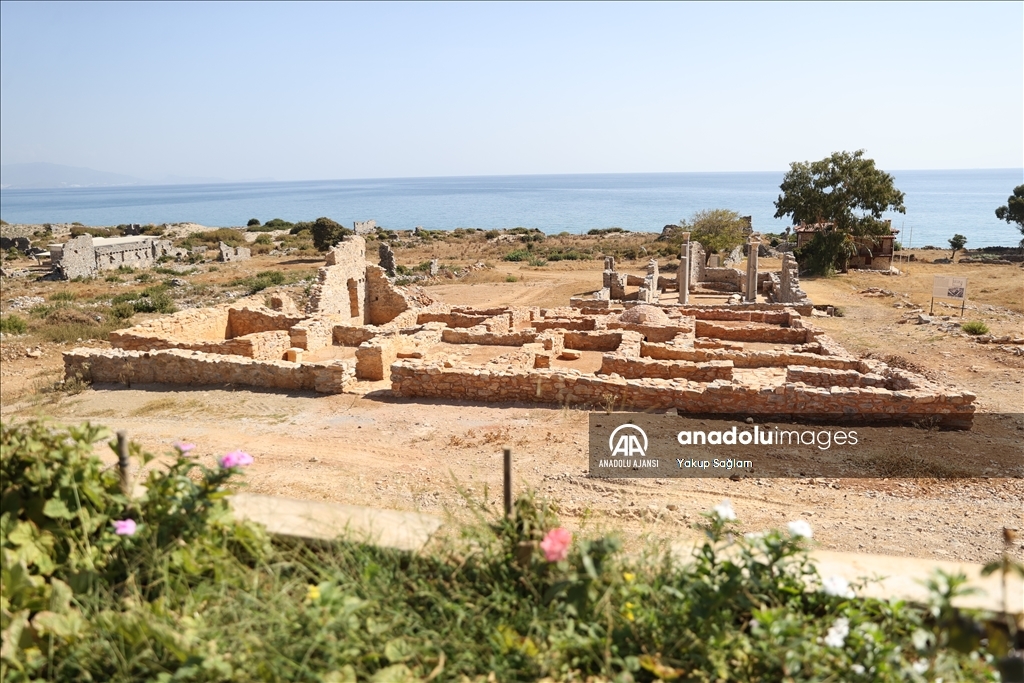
{"x":316,"y":91}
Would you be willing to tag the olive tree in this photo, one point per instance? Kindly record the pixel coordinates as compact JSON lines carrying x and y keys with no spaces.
{"x":956,"y":243}
{"x":844,"y":193}
{"x":718,"y":230}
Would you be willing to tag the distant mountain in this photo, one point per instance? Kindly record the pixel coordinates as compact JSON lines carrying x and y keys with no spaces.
{"x":43,"y":175}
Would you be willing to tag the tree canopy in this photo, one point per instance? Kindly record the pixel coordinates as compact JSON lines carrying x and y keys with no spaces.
{"x":1013,"y":212}
{"x":956,"y":243}
{"x":847,"y":194}
{"x":716,"y":229}
{"x":327,"y":233}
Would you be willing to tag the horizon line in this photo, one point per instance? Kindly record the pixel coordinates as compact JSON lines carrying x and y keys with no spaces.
{"x":453,"y":177}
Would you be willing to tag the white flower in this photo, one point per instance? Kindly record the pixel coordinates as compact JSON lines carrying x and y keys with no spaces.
{"x":920,"y":666}
{"x":800,"y":528}
{"x":754,"y":535}
{"x":724,"y":511}
{"x":754,"y":623}
{"x":836,"y":636}
{"x":857,"y":669}
{"x":837,"y":586}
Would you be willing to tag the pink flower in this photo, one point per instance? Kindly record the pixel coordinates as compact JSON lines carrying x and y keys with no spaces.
{"x":556,"y":544}
{"x":236,"y":459}
{"x":184,"y":448}
{"x":124,"y":527}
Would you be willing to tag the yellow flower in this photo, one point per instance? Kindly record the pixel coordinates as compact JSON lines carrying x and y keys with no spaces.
{"x":313,"y":593}
{"x":627,"y":611}
{"x":628,"y":576}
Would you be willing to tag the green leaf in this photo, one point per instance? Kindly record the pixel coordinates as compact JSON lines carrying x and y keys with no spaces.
{"x":55,"y":508}
{"x":398,"y":650}
{"x":396,"y":673}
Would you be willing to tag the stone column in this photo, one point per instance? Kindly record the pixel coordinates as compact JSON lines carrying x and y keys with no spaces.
{"x":683,"y":275}
{"x":752,"y":269}
{"x":785,"y":284}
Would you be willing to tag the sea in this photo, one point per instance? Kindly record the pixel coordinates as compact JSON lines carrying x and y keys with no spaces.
{"x":939,"y":204}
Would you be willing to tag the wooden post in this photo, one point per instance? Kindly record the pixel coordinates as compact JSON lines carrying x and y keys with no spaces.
{"x":122,"y":462}
{"x":508,"y":483}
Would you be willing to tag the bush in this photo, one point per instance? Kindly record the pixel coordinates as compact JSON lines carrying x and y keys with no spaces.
{"x":122,"y":311}
{"x":327,"y":233}
{"x":13,"y":323}
{"x":229,"y":236}
{"x":517,"y":255}
{"x":150,"y":300}
{"x":260,"y":281}
{"x":538,"y":262}
{"x":571,"y":254}
{"x":605,"y":231}
{"x":253,"y":223}
{"x":63,"y":296}
{"x":511,"y":278}
{"x":974,"y":328}
{"x":492,"y":234}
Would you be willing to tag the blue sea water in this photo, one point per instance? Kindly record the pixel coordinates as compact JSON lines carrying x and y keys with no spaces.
{"x":938,"y":203}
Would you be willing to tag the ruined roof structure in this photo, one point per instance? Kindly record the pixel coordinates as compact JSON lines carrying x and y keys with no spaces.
{"x":759,"y":357}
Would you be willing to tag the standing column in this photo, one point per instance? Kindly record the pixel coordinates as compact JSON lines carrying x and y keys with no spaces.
{"x":752,"y":269}
{"x":683,"y":276}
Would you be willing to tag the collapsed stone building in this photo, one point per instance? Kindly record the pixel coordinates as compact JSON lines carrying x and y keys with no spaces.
{"x":636,"y":351}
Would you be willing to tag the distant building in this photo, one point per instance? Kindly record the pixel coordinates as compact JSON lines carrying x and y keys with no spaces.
{"x":874,"y":252}
{"x":85,"y":255}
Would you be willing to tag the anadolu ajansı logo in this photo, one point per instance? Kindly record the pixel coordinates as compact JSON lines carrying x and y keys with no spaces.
{"x":628,"y":444}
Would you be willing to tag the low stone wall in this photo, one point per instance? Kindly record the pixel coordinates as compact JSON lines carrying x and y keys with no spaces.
{"x":480,"y":336}
{"x":244,"y":320}
{"x":593,"y":341}
{"x":314,"y":333}
{"x":656,"y":333}
{"x":176,"y":366}
{"x":635,"y":368}
{"x":578,"y":324}
{"x":746,"y":311}
{"x":374,"y":358}
{"x":199,"y":324}
{"x":451,"y":319}
{"x":347,"y":335}
{"x":259,"y":345}
{"x":752,"y":359}
{"x":827,"y":377}
{"x":755,"y":333}
{"x":418,"y":379}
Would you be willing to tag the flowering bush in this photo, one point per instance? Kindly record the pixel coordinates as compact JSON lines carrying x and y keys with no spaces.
{"x":169,"y":587}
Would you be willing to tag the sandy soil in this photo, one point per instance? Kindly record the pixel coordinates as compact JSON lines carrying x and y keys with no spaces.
{"x":367,"y":448}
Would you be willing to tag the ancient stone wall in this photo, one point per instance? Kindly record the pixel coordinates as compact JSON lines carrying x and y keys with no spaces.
{"x":314,"y":333}
{"x":594,"y":341}
{"x":177,"y":366}
{"x":384,"y":302}
{"x":226,"y":253}
{"x":755,"y":333}
{"x":244,"y":320}
{"x":340,"y":288}
{"x":752,"y":359}
{"x":422,"y":379}
{"x":633,"y":368}
{"x":479,"y":335}
{"x":192,"y":325}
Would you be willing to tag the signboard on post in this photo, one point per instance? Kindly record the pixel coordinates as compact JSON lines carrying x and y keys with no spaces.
{"x":948,"y":287}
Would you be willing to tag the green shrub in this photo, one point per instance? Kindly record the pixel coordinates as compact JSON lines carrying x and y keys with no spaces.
{"x":264,"y":239}
{"x":153,"y":299}
{"x":229,"y":236}
{"x":144,"y":277}
{"x":327,"y":233}
{"x":253,"y":223}
{"x":517,"y":255}
{"x":277,"y":224}
{"x":571,"y":254}
{"x":975,"y":328}
{"x":12,"y":323}
{"x":112,"y":278}
{"x":122,"y":311}
{"x":511,"y":278}
{"x":538,"y":262}
{"x":492,"y":234}
{"x":260,"y":281}
{"x":125,"y":269}
{"x":605,"y":231}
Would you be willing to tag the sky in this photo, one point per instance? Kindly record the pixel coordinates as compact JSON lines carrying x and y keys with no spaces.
{"x":330,"y":91}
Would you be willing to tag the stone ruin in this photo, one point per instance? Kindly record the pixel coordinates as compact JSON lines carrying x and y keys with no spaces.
{"x":85,"y":255}
{"x":364,"y":227}
{"x":361,"y":333}
{"x":227,"y":253}
{"x":694,"y":277}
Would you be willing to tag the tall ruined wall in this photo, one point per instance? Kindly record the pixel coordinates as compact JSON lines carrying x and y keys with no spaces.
{"x":384,"y":302}
{"x":340,"y":288}
{"x":78,"y":258}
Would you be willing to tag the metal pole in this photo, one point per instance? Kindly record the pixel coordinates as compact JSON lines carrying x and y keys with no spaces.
{"x":508,"y":483}
{"x":122,"y":462}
